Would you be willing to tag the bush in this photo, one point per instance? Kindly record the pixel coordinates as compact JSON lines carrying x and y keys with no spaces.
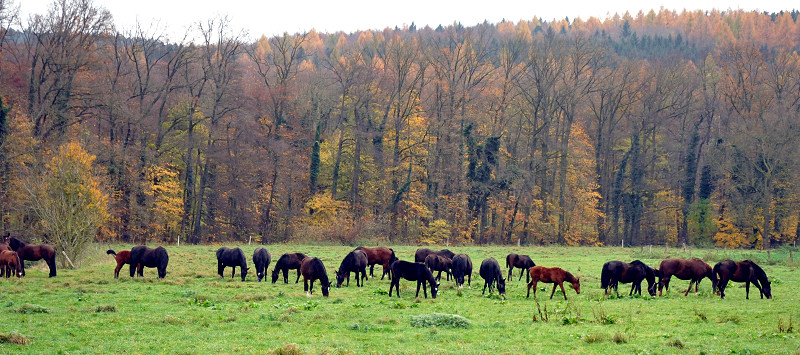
{"x":31,"y":308}
{"x":13,"y":338}
{"x":439,"y":320}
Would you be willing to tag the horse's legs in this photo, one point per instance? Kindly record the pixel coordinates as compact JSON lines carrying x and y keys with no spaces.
{"x":663,"y":283}
{"x":116,"y":270}
{"x":747,"y":289}
{"x":562,"y":290}
{"x":392,"y":284}
{"x":721,"y":284}
{"x":419,"y":283}
{"x":689,"y":289}
{"x":22,"y":264}
{"x":371,"y":271}
{"x":347,"y":276}
{"x":521,"y":271}
{"x":285,"y":275}
{"x":425,"y":289}
{"x":555,"y":284}
{"x":510,"y":269}
{"x":469,"y":282}
{"x":233,"y":273}
{"x":485,"y":283}
{"x":298,"y":275}
{"x":696,"y":284}
{"x":305,"y":284}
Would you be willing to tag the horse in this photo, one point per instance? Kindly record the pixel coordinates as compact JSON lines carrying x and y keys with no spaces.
{"x":288,"y":262}
{"x":233,"y":258}
{"x":412,"y":272}
{"x":122,"y":258}
{"x":142,"y":256}
{"x":554,"y":275}
{"x":693,"y":270}
{"x":744,"y":271}
{"x":354,"y":261}
{"x":523,"y":262}
{"x":462,"y":266}
{"x":617,"y":271}
{"x":490,"y":272}
{"x":10,"y":264}
{"x":261,"y":260}
{"x":422,"y":253}
{"x":313,"y":269}
{"x":439,"y":263}
{"x":379,"y":255}
{"x":33,"y":253}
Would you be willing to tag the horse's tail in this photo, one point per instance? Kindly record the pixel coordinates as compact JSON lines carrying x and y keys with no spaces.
{"x":714,"y":279}
{"x":111,"y":252}
{"x":392,"y":258}
{"x":508,"y":261}
{"x":605,"y":278}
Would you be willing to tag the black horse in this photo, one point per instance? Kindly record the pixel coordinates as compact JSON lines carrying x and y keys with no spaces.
{"x":32,"y":253}
{"x":286,"y":262}
{"x":490,"y":272}
{"x":462,"y":266}
{"x":616,"y":271}
{"x":355,"y":261}
{"x":233,"y":258}
{"x":523,"y":262}
{"x":439,"y":263}
{"x":313,"y":269}
{"x":413,"y":272}
{"x":745,"y":271}
{"x":422,"y":253}
{"x":142,"y":256}
{"x":261,"y":260}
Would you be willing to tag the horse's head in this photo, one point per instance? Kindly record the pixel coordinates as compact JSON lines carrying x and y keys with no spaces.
{"x":339,"y":278}
{"x":766,"y":289}
{"x":325,"y":287}
{"x":651,"y":287}
{"x":435,"y":290}
{"x":274,"y":275}
{"x":244,"y":272}
{"x":501,"y":286}
{"x":576,"y":285}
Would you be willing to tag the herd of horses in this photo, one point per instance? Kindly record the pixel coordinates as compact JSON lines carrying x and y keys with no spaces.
{"x":14,"y":252}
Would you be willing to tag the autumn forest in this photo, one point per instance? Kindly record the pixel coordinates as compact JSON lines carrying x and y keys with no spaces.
{"x":654,"y":128}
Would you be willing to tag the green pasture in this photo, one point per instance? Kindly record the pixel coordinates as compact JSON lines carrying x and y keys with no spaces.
{"x":195,"y":311}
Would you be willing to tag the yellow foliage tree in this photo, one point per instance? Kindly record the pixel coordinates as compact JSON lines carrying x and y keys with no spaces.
{"x":729,"y":236}
{"x":68,"y":200}
{"x":164,"y":188}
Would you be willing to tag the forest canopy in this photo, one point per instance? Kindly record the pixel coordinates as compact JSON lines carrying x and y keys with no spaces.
{"x":656,"y":128}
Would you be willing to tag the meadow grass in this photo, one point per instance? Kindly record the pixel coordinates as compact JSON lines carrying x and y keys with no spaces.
{"x":195,"y":311}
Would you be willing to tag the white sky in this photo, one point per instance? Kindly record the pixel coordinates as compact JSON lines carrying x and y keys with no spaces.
{"x":273,"y":17}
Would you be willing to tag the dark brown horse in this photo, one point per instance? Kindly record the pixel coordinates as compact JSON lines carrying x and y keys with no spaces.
{"x":422,"y":253}
{"x":286,"y":262}
{"x":462,"y":267}
{"x":491,"y":274}
{"x":694,"y":270}
{"x":354,"y":261}
{"x":232,"y":257}
{"x":522,"y":262}
{"x":33,"y":253}
{"x":554,"y":275}
{"x":439,"y":263}
{"x":379,"y":255}
{"x":10,"y":264}
{"x":617,"y":271}
{"x":744,"y":271}
{"x":142,"y":256}
{"x":122,"y":258}
{"x":313,"y":269}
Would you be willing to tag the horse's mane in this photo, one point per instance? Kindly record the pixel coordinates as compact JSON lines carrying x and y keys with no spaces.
{"x":570,"y":277}
{"x":759,"y":271}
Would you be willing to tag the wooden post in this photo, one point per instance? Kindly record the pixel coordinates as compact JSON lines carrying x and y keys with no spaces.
{"x":69,"y":261}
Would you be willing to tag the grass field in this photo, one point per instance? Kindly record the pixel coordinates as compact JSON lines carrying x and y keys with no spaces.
{"x":194,"y":311}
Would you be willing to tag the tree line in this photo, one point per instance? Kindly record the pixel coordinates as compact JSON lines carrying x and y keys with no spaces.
{"x":660,"y":128}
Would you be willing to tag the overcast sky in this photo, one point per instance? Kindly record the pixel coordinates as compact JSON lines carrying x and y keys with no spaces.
{"x":272,"y":17}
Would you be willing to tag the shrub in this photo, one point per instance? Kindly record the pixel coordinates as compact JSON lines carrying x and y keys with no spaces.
{"x":13,"y":338}
{"x":287,"y":349}
{"x":32,"y":308}
{"x":439,"y":320}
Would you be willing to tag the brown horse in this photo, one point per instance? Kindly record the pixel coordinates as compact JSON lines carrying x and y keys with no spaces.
{"x":553,"y":275}
{"x":33,"y":253}
{"x":122,"y":258}
{"x":379,"y":255}
{"x":313,"y":269}
{"x":744,"y":271}
{"x":523,"y":262}
{"x":10,"y":264}
{"x":693,"y":270}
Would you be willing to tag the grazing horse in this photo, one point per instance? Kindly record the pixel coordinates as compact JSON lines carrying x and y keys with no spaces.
{"x":122,"y":258}
{"x":617,"y":271}
{"x":261,"y":260}
{"x":379,"y":255}
{"x":523,"y":262}
{"x":313,"y":269}
{"x":354,"y":261}
{"x":142,"y":256}
{"x":413,"y":272}
{"x":554,"y":275}
{"x":233,"y":258}
{"x":462,"y":266}
{"x":33,"y":253}
{"x":288,"y":262}
{"x":693,"y":270}
{"x":490,"y":272}
{"x":10,"y":264}
{"x":744,"y":271}
{"x":422,"y":253}
{"x":439,"y":263}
